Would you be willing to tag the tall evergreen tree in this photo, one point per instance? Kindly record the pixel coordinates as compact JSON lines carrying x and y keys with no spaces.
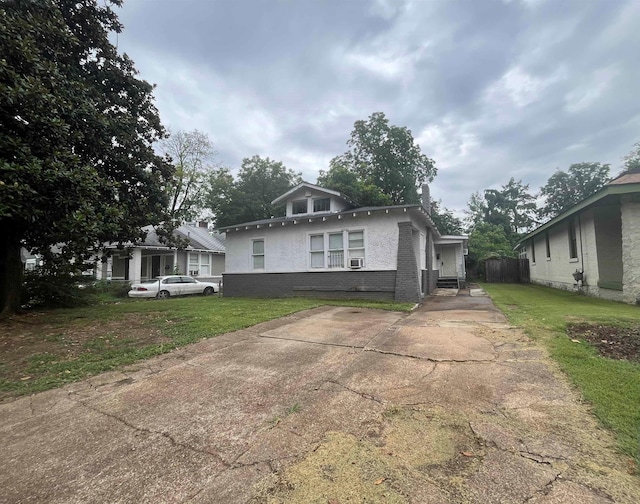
{"x":77,"y":166}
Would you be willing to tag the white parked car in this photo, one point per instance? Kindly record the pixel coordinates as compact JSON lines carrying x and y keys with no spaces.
{"x":172,"y":285}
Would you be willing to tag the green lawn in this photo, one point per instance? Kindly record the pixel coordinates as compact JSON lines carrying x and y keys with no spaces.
{"x":611,"y":386}
{"x":43,"y":350}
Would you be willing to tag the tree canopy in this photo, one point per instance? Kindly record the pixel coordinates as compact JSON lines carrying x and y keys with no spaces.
{"x":488,"y":241}
{"x":565,"y":189}
{"x":445,"y":221}
{"x":632,"y":160}
{"x":248,"y":197}
{"x":192,"y":154}
{"x":77,"y":165}
{"x":340,"y":178}
{"x":512,"y":207}
{"x":386,"y":157}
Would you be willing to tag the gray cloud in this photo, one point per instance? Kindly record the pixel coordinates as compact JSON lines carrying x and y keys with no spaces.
{"x":490,"y":89}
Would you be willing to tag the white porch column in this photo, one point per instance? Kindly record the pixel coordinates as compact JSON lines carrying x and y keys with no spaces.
{"x":104,"y":269}
{"x":135,"y":266}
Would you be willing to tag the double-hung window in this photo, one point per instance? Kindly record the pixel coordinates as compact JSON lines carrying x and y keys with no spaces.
{"x":327,"y":250}
{"x":194,"y":264}
{"x":336,"y":250}
{"x":199,"y":264}
{"x":533,"y":251}
{"x":257,"y":254}
{"x":547,"y":245}
{"x":316,"y":250}
{"x":573,"y":242}
{"x":356,"y":244}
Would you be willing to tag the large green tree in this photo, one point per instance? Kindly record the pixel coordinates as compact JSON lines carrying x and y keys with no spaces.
{"x":249,"y":196}
{"x":192,"y":154}
{"x":387,"y":157}
{"x":340,"y":178}
{"x":77,"y":165}
{"x":487,"y":241}
{"x":565,"y":189}
{"x":445,"y":221}
{"x":512,"y":207}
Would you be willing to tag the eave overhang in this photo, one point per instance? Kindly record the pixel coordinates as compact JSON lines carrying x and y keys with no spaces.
{"x":607,"y":191}
{"x":346,"y":215}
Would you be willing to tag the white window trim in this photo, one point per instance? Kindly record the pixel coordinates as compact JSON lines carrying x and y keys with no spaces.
{"x":345,"y":247}
{"x":306,"y":202}
{"x":200,"y":263}
{"x":264,"y":254}
{"x":313,"y":204}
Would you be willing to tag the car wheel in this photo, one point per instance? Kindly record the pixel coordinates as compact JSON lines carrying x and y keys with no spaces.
{"x":208,"y":291}
{"x":163,"y":294}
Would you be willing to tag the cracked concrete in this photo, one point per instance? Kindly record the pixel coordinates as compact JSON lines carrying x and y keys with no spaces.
{"x":449,"y":404}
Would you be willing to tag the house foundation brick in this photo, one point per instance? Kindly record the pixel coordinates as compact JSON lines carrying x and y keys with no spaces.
{"x":350,"y":284}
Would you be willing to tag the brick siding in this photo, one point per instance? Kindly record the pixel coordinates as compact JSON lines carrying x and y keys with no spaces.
{"x":323,"y":284}
{"x":407,"y":281}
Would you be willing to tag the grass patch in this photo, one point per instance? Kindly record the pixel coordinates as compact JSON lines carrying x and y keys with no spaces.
{"x":611,"y":386}
{"x":46,"y":349}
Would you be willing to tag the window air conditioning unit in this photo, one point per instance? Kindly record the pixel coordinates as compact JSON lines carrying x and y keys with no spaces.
{"x":356,"y":263}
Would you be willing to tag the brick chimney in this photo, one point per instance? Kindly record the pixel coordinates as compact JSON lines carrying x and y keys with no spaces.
{"x":426,"y":198}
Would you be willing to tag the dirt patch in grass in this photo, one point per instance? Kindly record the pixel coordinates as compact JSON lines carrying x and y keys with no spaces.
{"x":34,"y":344}
{"x":621,"y":343}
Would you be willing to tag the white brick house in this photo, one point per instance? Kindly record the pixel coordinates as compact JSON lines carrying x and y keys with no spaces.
{"x":593,"y":247}
{"x":326,"y":246}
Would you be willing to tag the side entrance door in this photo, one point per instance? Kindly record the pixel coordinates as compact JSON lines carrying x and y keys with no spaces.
{"x":448,"y":264}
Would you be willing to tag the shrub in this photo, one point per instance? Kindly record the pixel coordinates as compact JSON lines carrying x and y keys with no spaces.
{"x":56,"y":288}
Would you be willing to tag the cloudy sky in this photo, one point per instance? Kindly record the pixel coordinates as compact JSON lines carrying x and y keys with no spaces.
{"x":491,"y":89}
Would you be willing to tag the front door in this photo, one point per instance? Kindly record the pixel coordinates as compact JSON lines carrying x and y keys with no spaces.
{"x":155,"y":266}
{"x":448,"y":264}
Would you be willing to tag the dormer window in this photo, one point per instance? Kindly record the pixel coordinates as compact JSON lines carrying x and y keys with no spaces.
{"x":322,"y":205}
{"x":299,"y":207}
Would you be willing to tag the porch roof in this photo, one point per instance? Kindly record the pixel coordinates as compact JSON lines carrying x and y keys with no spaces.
{"x":625,"y":184}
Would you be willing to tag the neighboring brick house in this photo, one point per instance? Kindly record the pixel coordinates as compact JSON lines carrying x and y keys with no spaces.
{"x":594,"y":246}
{"x":327,"y":246}
{"x":202,"y":258}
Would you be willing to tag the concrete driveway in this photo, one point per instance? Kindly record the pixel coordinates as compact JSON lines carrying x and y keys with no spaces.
{"x":333,"y":405}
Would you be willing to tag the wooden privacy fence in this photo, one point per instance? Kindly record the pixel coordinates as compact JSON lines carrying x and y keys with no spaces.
{"x":506,"y":271}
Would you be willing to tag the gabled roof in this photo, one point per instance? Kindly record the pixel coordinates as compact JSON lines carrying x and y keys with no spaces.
{"x":199,"y":238}
{"x":306,"y":185}
{"x":624,"y":184}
